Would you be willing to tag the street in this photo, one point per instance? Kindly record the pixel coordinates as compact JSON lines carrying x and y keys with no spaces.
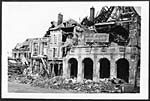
{"x":14,"y":87}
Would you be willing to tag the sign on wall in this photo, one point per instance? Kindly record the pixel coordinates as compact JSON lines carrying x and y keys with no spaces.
{"x":97,"y":37}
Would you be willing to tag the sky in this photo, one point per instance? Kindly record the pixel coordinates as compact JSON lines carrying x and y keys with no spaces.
{"x":22,"y":20}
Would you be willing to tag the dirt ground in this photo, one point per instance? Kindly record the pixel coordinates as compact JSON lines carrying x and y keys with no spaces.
{"x":14,"y":87}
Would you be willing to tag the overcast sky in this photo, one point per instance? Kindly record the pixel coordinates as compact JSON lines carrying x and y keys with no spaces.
{"x":22,"y":20}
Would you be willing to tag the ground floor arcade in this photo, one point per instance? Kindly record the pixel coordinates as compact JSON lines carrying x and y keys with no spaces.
{"x":99,"y":66}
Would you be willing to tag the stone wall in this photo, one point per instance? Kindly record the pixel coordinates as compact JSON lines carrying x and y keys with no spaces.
{"x":113,"y":54}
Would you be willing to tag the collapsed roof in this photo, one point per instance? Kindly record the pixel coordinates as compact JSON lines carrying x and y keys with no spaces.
{"x":105,"y":22}
{"x":24,"y":45}
{"x":108,"y":21}
{"x":110,"y":14}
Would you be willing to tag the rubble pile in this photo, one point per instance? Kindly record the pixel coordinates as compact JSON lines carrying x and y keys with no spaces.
{"x":107,"y":85}
{"x":15,"y":70}
{"x":24,"y":79}
{"x":47,"y":83}
{"x":12,"y":77}
{"x":87,"y":86}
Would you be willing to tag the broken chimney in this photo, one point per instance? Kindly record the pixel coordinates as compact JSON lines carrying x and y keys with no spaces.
{"x":92,"y":11}
{"x":60,"y":18}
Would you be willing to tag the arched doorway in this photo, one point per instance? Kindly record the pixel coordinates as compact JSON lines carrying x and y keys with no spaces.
{"x":104,"y":68}
{"x":73,"y":66}
{"x":88,"y":68}
{"x":123,"y":69}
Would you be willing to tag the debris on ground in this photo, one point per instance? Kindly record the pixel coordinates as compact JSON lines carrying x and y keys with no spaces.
{"x":15,"y":69}
{"x":87,"y":86}
{"x":26,"y":76}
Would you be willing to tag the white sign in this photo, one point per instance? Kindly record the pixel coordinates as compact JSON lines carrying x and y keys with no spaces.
{"x":97,"y":37}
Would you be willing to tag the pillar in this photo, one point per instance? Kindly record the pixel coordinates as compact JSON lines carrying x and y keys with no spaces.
{"x":58,"y":68}
{"x":98,"y":69}
{"x":95,"y":69}
{"x":65,"y":66}
{"x":61,"y":71}
{"x":53,"y":73}
{"x":113,"y":69}
{"x":50,"y":66}
{"x":17,"y":55}
{"x":80,"y":74}
{"x":132,"y":72}
{"x":60,"y":52}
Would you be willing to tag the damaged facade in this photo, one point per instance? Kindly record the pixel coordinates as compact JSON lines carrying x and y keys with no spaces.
{"x":105,"y":46}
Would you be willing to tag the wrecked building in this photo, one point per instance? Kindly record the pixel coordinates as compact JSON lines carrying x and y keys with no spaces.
{"x":60,"y":43}
{"x":105,"y":46}
{"x":112,"y":50}
{"x":22,"y":51}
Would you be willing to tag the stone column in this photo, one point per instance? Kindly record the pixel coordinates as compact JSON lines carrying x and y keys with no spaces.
{"x":80,"y":74}
{"x":95,"y":69}
{"x":61,"y":52}
{"x":113,"y":69}
{"x":58,"y":68}
{"x":61,"y":69}
{"x":53,"y":73}
{"x":132,"y":71}
{"x":50,"y":66}
{"x":65,"y":65}
{"x":17,"y":55}
{"x":98,"y":70}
